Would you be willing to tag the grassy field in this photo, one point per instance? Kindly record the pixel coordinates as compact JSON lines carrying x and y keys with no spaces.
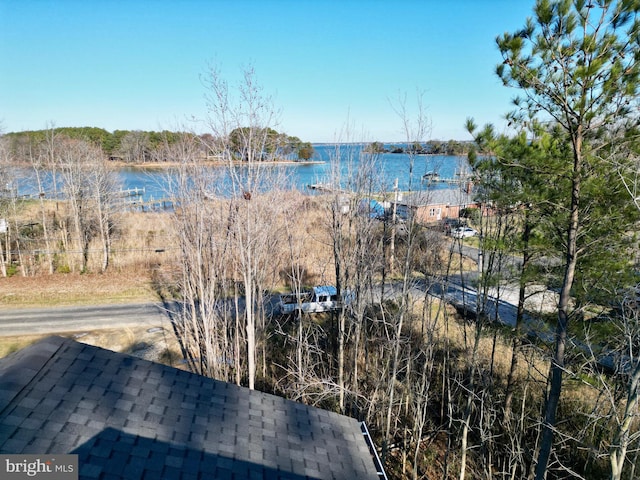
{"x":75,"y":289}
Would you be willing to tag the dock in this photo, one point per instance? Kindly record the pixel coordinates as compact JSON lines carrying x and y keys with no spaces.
{"x":149,"y":205}
{"x":325,"y":187}
{"x":460,"y":178}
{"x":449,"y":181}
{"x":132,"y":192}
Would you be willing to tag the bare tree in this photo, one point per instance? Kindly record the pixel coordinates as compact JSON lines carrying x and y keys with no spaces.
{"x":104,"y":185}
{"x":352,"y":226}
{"x":627,"y":164}
{"x":5,"y":242}
{"x":76,"y":162}
{"x":241,"y":118}
{"x":134,"y":147}
{"x":415,"y":128}
{"x":625,"y":435}
{"x":204,"y":325}
{"x":43,"y":159}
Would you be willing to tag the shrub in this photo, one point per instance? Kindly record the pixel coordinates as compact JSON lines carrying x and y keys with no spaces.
{"x":472,"y":214}
{"x":64,"y":268}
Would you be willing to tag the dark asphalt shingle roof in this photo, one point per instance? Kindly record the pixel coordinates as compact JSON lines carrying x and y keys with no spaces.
{"x":130,"y":418}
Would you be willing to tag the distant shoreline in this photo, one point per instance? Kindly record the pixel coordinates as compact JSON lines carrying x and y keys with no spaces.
{"x":211,"y":163}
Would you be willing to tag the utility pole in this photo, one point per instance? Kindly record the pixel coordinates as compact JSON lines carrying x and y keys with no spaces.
{"x":392,"y":247}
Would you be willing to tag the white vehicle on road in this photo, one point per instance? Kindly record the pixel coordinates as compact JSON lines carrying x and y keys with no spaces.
{"x":463,"y":232}
{"x":318,"y":299}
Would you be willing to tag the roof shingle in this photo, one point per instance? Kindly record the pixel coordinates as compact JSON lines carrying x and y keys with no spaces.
{"x":129,"y":418}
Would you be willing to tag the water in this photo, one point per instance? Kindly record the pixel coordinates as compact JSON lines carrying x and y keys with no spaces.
{"x":393,"y":166}
{"x":388,"y":168}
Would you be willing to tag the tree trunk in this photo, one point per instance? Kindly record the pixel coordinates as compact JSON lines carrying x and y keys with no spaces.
{"x":621,"y":440}
{"x":43,"y":214}
{"x":251,"y":332}
{"x":466,"y":421}
{"x":341,"y":336}
{"x":519,"y":316}
{"x":3,"y":258}
{"x":236,"y":335}
{"x":557,"y":362}
{"x":338,"y":254}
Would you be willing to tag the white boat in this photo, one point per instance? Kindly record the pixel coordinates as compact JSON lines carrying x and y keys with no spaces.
{"x":431,"y":176}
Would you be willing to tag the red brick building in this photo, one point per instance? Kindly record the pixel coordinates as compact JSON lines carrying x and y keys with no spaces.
{"x":432,"y":206}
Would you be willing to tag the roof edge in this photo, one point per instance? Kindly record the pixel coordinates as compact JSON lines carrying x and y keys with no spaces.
{"x":19,"y":369}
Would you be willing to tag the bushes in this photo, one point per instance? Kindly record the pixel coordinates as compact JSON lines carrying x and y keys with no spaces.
{"x":472,"y":214}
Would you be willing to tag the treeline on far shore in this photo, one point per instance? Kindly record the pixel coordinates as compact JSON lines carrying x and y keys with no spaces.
{"x":138,"y":146}
{"x":432,"y":147}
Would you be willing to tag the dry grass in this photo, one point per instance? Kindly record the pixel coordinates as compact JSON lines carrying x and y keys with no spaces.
{"x":75,"y":289}
{"x":139,"y":239}
{"x":8,"y":345}
{"x":305,"y":237}
{"x":460,"y":335}
{"x":582,"y":389}
{"x":145,"y":243}
{"x":155,"y":344}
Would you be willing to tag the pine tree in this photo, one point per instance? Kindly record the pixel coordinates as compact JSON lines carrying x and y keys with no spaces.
{"x":577,"y":65}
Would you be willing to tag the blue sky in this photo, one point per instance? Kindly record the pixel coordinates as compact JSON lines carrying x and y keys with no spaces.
{"x":134,"y":64}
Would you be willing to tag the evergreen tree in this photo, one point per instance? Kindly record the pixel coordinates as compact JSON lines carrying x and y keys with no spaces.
{"x":577,"y":64}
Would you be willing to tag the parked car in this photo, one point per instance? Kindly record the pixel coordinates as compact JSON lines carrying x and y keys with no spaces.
{"x":463,"y":232}
{"x":449,"y":224}
{"x":319,"y":299}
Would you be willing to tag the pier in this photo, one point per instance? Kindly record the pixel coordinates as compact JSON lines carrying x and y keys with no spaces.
{"x":132,"y":192}
{"x":325,"y":187}
{"x":150,"y":205}
{"x":459,"y":178}
{"x":449,"y":181}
